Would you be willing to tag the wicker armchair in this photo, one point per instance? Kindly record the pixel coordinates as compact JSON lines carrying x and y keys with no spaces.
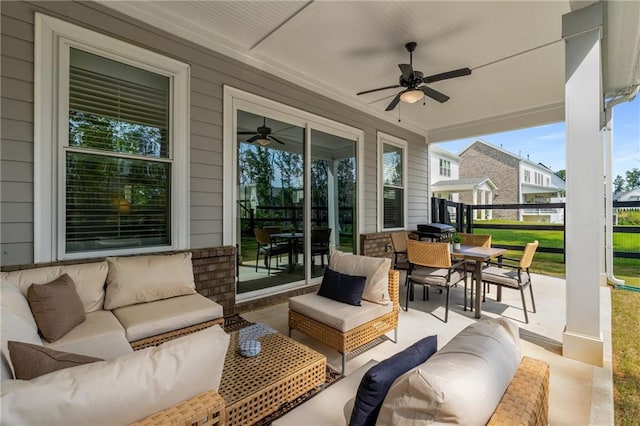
{"x":430,"y":265}
{"x":346,"y":342}
{"x":515,"y":277}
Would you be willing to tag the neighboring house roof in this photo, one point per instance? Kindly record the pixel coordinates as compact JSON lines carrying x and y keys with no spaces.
{"x":435,"y":149}
{"x":633,"y":195}
{"x":557,"y":181}
{"x":467,"y":184}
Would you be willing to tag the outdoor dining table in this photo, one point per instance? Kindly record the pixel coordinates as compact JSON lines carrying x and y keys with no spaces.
{"x":290,"y":238}
{"x":479,"y":255}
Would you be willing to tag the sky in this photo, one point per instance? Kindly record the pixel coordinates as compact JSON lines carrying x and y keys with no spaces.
{"x":546,"y":144}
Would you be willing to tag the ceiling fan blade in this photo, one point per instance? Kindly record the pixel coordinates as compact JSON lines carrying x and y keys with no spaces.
{"x":447,"y":75}
{"x":394,"y":102}
{"x":246,"y":133}
{"x":253,"y":139}
{"x":275,"y":139}
{"x":407,"y":71}
{"x":434,"y":94}
{"x":395,"y":86}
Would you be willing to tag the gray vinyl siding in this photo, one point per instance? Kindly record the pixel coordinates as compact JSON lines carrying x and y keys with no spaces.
{"x":209,"y":72}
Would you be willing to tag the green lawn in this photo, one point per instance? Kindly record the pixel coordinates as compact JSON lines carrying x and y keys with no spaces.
{"x":625,"y":318}
{"x":552,"y":263}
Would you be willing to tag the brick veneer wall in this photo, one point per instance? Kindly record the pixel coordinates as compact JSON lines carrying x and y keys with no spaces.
{"x":377,"y":244}
{"x":214,"y":271}
{"x":482,"y":160}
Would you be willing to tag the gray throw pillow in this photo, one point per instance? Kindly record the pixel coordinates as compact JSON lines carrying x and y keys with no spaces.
{"x":31,"y":361}
{"x":56,"y":307}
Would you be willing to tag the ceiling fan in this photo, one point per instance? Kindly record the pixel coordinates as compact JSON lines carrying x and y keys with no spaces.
{"x":412,"y":80}
{"x":262,"y":136}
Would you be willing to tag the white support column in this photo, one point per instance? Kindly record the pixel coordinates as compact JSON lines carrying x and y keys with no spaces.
{"x":332,"y":200}
{"x":582,"y":32}
{"x":483,"y":200}
{"x":490,"y":201}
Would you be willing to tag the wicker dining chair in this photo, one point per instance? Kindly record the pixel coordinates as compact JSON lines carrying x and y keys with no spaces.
{"x":430,"y":266}
{"x":320,"y":242}
{"x":514,"y":276}
{"x":474,"y":240}
{"x":399,"y":243}
{"x":268,"y":249}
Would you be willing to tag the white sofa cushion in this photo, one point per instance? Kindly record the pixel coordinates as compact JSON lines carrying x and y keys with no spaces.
{"x":148,"y":319}
{"x":100,"y":336}
{"x":15,"y":328}
{"x":376,"y":269}
{"x":139,"y":279}
{"x":338,"y":315}
{"x":14,"y":300}
{"x":122,"y":390}
{"x":89,"y":279}
{"x":462,"y":383}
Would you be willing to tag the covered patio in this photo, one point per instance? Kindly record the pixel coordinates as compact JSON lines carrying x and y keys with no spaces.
{"x":307,"y":64}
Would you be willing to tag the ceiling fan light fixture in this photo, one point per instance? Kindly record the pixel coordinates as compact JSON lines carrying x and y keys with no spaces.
{"x":263,"y":141}
{"x":411,"y":96}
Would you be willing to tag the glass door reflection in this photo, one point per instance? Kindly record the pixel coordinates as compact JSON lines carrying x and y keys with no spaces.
{"x":270,"y":218}
{"x":333,"y":198}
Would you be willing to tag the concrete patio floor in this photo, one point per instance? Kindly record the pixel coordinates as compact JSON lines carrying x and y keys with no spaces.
{"x":580,"y":393}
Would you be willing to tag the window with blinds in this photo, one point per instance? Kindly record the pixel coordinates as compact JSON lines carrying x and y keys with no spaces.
{"x":118,"y":162}
{"x":393,"y":186}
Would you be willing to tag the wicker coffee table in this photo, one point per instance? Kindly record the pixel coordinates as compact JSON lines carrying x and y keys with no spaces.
{"x":254,"y":387}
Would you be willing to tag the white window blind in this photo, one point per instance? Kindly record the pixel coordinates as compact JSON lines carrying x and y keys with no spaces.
{"x":118,"y":165}
{"x":393,"y":190}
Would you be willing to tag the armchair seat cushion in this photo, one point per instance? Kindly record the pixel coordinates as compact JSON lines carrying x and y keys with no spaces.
{"x":434,"y":276}
{"x":338,"y":315}
{"x":502,"y":276}
{"x":152,"y":318}
{"x":100,"y":335}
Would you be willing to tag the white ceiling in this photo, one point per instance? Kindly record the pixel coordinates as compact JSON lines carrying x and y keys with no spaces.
{"x":339,"y":48}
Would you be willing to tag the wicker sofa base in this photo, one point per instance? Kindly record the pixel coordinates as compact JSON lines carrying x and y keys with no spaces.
{"x":170,"y":335}
{"x":205,"y":409}
{"x":526,"y":400}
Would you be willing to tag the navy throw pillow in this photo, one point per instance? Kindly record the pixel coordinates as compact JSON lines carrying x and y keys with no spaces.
{"x":376,"y":382}
{"x":341,"y":287}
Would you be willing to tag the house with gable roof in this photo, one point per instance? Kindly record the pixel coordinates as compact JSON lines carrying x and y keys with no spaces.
{"x":520,"y":181}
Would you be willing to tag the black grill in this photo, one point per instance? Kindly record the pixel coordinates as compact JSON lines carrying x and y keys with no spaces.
{"x":435,"y":231}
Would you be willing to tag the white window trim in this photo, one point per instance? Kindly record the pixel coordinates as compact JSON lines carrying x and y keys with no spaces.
{"x":384,"y":138}
{"x":53,"y":37}
{"x":235,"y":99}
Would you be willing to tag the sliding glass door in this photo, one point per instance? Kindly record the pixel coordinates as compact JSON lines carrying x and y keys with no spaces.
{"x":270,"y":213}
{"x":333,"y":197}
{"x":286,"y":229}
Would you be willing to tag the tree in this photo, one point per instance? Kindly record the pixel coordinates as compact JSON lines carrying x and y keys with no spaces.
{"x":618,"y":184}
{"x":562,"y":174}
{"x":259,"y":170}
{"x":633,"y":179}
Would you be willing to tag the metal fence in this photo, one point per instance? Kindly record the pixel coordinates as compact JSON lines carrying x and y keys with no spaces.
{"x":461,"y":216}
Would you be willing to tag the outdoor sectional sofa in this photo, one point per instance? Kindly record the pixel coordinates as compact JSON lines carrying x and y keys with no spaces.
{"x":108,"y":310}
